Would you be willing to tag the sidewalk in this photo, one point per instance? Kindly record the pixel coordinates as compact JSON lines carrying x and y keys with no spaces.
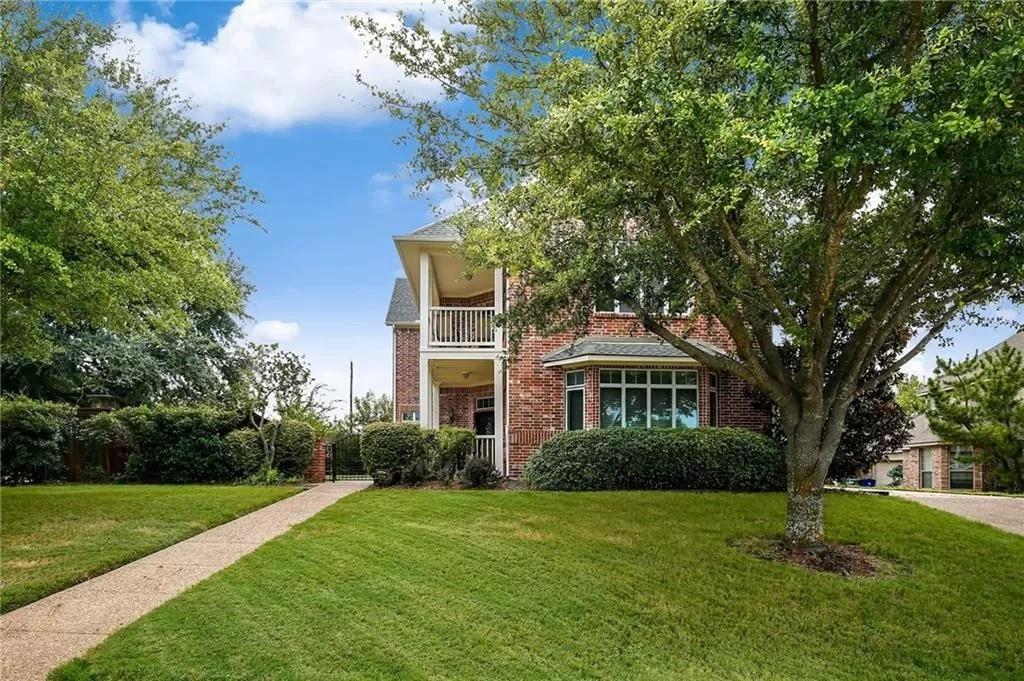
{"x":43,"y":635}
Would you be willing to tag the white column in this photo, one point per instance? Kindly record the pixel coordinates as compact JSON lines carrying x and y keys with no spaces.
{"x":499,"y":415}
{"x":425,"y":391}
{"x":499,"y":307}
{"x":424,"y":301}
{"x":435,"y":405}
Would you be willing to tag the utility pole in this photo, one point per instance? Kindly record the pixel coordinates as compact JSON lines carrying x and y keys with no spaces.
{"x":351,"y":404}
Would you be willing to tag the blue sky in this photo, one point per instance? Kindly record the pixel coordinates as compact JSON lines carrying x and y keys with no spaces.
{"x":308,"y":137}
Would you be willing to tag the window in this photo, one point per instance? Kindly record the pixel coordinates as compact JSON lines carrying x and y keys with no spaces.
{"x":574,"y":400}
{"x":926,"y":468}
{"x":411,"y":416}
{"x":484,"y":403}
{"x":713,"y":400}
{"x":642,"y":398}
{"x":961,"y":467}
{"x":611,"y":305}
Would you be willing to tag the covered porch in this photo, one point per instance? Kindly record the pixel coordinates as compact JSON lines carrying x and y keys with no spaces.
{"x":467,"y":392}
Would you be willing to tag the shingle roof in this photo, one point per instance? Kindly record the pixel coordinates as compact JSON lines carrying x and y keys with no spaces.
{"x":402,"y":309}
{"x":439,"y":229}
{"x":1015,"y":341}
{"x":921,"y":433}
{"x":654,"y":348}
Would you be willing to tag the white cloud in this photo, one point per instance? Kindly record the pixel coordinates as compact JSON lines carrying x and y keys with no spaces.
{"x":274,"y":331}
{"x":919,"y":367}
{"x":273,"y":65}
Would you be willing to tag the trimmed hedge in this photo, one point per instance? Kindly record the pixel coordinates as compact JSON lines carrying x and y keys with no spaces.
{"x":405,"y":453}
{"x":294,"y":448}
{"x":623,"y":459}
{"x":33,"y":439}
{"x":170,"y":444}
{"x":245,"y":449}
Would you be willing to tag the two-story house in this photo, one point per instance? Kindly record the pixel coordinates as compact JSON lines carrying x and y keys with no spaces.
{"x":451,"y":364}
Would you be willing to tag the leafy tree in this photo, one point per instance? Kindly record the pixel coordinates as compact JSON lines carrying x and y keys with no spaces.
{"x":370,"y":408}
{"x":271,"y":380}
{"x":114,"y":200}
{"x":980,"y":402}
{"x":910,"y":395}
{"x":779,"y":166}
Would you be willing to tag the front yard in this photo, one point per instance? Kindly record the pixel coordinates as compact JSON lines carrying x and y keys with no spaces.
{"x":55,"y":536}
{"x":526,"y":585}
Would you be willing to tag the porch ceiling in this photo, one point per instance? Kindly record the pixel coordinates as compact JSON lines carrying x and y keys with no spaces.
{"x":449,"y":270}
{"x":462,"y":373}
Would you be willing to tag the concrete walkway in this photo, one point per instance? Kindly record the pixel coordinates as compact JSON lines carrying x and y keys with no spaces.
{"x":43,"y":635}
{"x":1006,"y":513}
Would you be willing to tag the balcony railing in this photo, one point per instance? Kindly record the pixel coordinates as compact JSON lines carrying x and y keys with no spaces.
{"x":462,"y":327}
{"x":484,"y":447}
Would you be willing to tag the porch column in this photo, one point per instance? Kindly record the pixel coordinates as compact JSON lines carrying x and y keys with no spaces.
{"x":499,"y":415}
{"x":424,"y":303}
{"x":499,"y":307}
{"x":425,"y":392}
{"x":435,"y":403}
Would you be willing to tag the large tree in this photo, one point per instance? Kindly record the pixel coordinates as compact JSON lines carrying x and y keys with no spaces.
{"x":980,"y":402}
{"x":114,"y":200}
{"x":779,"y":166}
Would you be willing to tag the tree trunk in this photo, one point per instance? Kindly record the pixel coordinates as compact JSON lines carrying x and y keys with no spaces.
{"x":806,"y":466}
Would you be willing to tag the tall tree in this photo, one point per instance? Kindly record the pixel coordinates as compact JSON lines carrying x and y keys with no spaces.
{"x":980,"y":402}
{"x":114,"y":200}
{"x":370,"y":408}
{"x":911,"y":395}
{"x":779,"y":166}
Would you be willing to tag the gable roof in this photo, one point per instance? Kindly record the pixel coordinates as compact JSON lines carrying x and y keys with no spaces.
{"x":921,"y":434}
{"x":402,"y":309}
{"x":1015,"y":341}
{"x":627,"y":348}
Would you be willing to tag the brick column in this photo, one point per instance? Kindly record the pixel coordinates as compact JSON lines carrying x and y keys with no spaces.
{"x":317,"y":470}
{"x":940,"y":468}
{"x":912,"y":469}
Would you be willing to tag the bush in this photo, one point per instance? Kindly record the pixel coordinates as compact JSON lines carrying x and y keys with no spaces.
{"x":896,"y":475}
{"x":702,"y":458}
{"x":245,"y":451}
{"x":294,"y":448}
{"x":478,"y":472}
{"x":452,"y":449}
{"x":170,"y":444}
{"x":389,"y":448}
{"x":264,"y":477}
{"x":33,"y":439}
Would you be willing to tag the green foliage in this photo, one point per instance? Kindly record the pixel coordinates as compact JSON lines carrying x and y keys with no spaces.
{"x":911,"y":395}
{"x":264,"y":477}
{"x":477,"y":473}
{"x":370,"y":408}
{"x":33,"y":439}
{"x":776,"y":165}
{"x":980,"y":402}
{"x":896,"y":475}
{"x":294,"y":448}
{"x":115,"y":200}
{"x":389,"y":448}
{"x":245,"y":450}
{"x":700,"y":458}
{"x":171,"y":444}
{"x":452,"y":449}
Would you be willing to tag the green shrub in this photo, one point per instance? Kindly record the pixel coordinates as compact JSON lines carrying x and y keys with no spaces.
{"x":452,"y":448}
{"x":264,"y":477}
{"x":245,"y":451}
{"x":478,"y":472}
{"x":389,"y":448}
{"x":170,"y":444}
{"x":294,"y":448}
{"x":33,"y":439}
{"x":702,"y":458}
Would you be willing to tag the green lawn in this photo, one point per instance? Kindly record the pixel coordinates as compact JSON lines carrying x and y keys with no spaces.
{"x":54,"y":536}
{"x":524,"y":585}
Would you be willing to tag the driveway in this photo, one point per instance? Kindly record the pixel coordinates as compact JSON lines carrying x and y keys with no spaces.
{"x":1006,"y":513}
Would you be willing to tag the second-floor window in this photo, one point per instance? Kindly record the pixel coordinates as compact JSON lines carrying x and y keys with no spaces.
{"x":648,"y":398}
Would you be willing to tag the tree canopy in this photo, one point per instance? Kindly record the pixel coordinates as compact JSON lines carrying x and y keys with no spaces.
{"x":115,"y":201}
{"x":776,"y":166}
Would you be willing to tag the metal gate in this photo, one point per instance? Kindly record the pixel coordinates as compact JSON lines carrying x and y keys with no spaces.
{"x":343,"y":460}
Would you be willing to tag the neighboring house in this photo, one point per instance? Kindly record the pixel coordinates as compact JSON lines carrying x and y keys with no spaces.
{"x":451,"y":365}
{"x":931,"y":463}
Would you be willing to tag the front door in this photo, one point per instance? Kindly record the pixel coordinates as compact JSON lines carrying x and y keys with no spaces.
{"x":483,"y":422}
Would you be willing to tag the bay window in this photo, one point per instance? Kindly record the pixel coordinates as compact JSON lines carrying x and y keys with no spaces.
{"x":574,"y":399}
{"x":648,"y":398}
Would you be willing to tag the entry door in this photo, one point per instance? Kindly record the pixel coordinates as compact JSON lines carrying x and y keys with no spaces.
{"x":483,"y":422}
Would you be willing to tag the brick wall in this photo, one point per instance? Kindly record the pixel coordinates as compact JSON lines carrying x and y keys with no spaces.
{"x":537,"y":394}
{"x":459,"y":404}
{"x":407,"y":370}
{"x":479,"y":300}
{"x":316,"y":472}
{"x":912,"y":469}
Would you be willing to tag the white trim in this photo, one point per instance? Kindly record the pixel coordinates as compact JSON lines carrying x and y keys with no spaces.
{"x":566,"y":389}
{"x":394,"y":378}
{"x":619,"y":359}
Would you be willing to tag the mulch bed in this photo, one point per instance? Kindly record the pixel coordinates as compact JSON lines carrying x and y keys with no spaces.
{"x":845,"y":560}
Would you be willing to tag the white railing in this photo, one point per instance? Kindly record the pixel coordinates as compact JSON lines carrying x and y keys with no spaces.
{"x":484,"y":448}
{"x":462,"y":327}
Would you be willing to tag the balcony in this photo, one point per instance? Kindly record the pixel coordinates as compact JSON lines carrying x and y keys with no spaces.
{"x":461,"y":327}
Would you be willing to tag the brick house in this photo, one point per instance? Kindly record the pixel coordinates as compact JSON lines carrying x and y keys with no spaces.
{"x":451,"y":366}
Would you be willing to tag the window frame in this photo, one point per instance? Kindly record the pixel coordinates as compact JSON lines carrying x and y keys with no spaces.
{"x":959,"y":467}
{"x":485,"y":407}
{"x":414,"y":412}
{"x":576,"y":387}
{"x":675,"y":385}
{"x":714,"y":413}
